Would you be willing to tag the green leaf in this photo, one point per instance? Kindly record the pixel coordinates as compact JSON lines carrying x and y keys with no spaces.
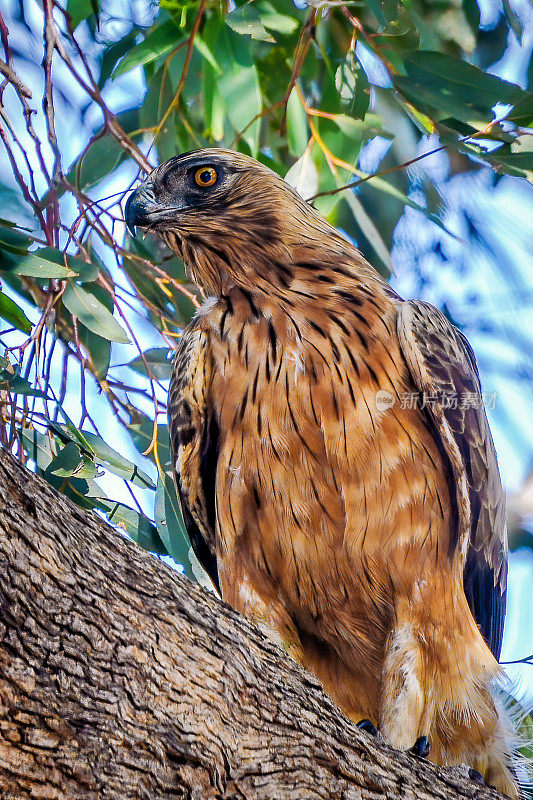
{"x":112,"y":55}
{"x":246,"y":21}
{"x":472,"y":16}
{"x":353,"y":86}
{"x":142,"y":432}
{"x":37,"y":446}
{"x":161,"y":40}
{"x":69,"y":432}
{"x":451,"y":84}
{"x":18,"y":385}
{"x":274,"y":20}
{"x":86,"y":271}
{"x":117,"y":464}
{"x":297,"y":130}
{"x":369,"y":230}
{"x":34,"y":266}
{"x":99,"y":349}
{"x":522,"y":113}
{"x":215,"y":108}
{"x":518,"y":164}
{"x":156,"y":103}
{"x":384,"y":186}
{"x":397,"y":38}
{"x":352,"y":128}
{"x":205,"y":51}
{"x":375,"y":7}
{"x":14,"y":241}
{"x":138,"y":526}
{"x":214,"y":105}
{"x":158,"y":361}
{"x":78,"y":10}
{"x":11,"y":313}
{"x":7,"y":223}
{"x":93,"y":314}
{"x":70,"y":463}
{"x":98,"y":162}
{"x":239,"y":85}
{"x":144,"y":283}
{"x":514,"y":21}
{"x":169,"y":523}
{"x":47,"y":262}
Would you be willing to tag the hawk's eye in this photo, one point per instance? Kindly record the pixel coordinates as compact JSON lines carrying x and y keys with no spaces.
{"x":205,"y":177}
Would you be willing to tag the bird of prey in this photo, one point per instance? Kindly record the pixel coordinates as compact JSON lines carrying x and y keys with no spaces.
{"x":363,"y":532}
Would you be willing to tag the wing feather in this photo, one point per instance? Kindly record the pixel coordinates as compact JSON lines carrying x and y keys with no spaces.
{"x":194,"y":444}
{"x":443,"y":367}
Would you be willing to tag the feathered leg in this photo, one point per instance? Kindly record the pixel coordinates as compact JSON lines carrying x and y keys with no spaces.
{"x":437,"y":679}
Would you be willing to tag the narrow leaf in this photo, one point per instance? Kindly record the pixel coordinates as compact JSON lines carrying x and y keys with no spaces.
{"x":139,"y":527}
{"x":107,"y":457}
{"x":12,"y":314}
{"x":297,"y":130}
{"x":92,"y":313}
{"x":159,"y":362}
{"x":160,"y":41}
{"x":170,"y":524}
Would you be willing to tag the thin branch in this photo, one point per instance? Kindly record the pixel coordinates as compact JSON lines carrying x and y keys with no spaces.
{"x":364,"y":178}
{"x":184,"y":72}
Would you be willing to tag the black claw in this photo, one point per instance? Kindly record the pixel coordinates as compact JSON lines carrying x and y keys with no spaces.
{"x":476,"y":776}
{"x":369,"y":727}
{"x":421,"y":748}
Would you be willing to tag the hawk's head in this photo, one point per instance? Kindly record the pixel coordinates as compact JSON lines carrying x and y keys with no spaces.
{"x":229,"y":217}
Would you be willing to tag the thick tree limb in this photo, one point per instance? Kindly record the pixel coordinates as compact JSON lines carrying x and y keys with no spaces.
{"x":121,"y":679}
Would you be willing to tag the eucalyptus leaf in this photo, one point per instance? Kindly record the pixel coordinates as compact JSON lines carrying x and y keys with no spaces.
{"x":138,"y":526}
{"x":97,"y":162}
{"x":107,"y":457}
{"x":239,"y":85}
{"x":246,"y":20}
{"x":161,"y":40}
{"x":92,"y":313}
{"x":13,"y":314}
{"x":18,"y":385}
{"x":142,"y":433}
{"x":37,"y":446}
{"x":158,"y":360}
{"x":70,"y":463}
{"x":79,"y":10}
{"x":35,"y":266}
{"x":169,"y":523}
{"x":297,"y":128}
{"x":98,"y":348}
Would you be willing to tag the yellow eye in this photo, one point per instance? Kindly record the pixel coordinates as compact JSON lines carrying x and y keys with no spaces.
{"x":205,"y":177}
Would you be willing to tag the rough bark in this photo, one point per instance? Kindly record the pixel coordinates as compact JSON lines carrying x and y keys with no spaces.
{"x":121,"y":679}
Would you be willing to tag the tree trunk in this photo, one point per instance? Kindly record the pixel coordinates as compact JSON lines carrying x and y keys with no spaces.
{"x":120,"y":679}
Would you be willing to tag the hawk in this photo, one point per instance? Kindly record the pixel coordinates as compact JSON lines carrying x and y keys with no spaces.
{"x":364,"y":533}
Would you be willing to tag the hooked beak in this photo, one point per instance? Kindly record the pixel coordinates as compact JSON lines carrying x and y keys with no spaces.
{"x":138,"y":207}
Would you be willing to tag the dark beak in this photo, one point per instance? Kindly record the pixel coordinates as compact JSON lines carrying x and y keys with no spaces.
{"x":138,"y":206}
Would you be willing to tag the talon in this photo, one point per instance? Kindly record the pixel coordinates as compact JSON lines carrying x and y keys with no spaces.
{"x":421,"y":748}
{"x":476,"y":776}
{"x":366,"y":725}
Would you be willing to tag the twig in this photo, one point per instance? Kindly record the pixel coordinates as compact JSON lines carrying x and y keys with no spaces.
{"x":184,"y":72}
{"x":364,"y":178}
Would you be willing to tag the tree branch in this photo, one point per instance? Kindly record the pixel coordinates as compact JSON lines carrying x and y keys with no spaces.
{"x":121,"y":679}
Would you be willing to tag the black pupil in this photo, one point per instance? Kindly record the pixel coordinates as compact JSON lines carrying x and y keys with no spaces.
{"x":206,"y":175}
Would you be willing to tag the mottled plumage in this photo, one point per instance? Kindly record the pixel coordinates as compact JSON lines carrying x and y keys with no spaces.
{"x":368,"y":540}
